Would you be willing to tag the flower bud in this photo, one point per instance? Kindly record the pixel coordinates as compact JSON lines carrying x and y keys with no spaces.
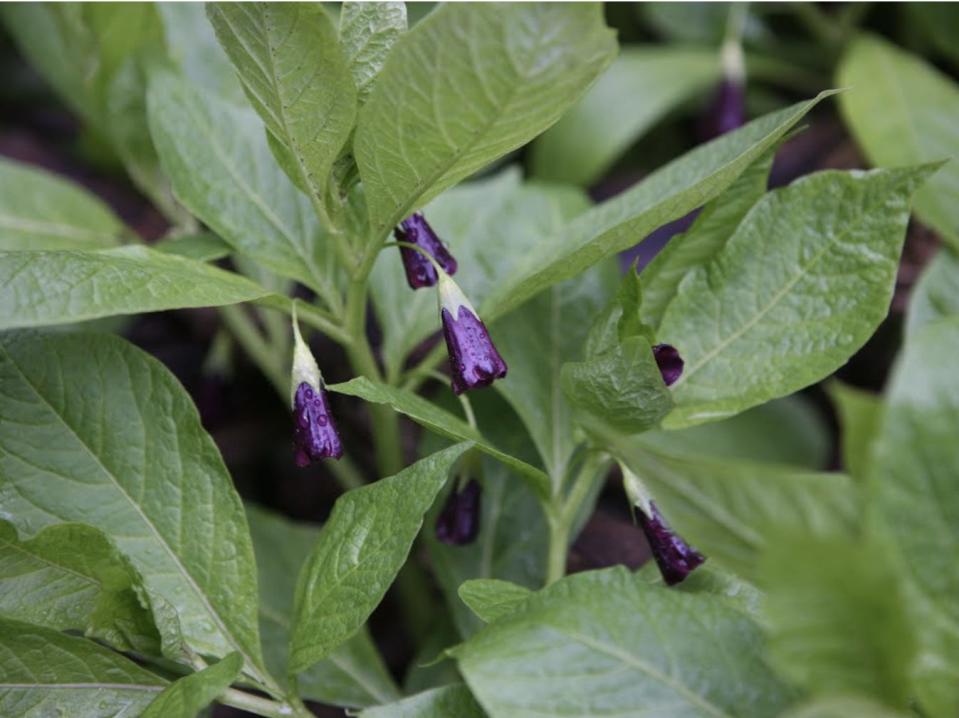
{"x":675,"y":558}
{"x":420,"y":272}
{"x":314,"y":431}
{"x":669,"y":362}
{"x":727,"y":110}
{"x":459,"y":522}
{"x":474,"y":361}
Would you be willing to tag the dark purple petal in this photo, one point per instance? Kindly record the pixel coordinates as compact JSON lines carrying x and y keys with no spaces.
{"x":420,"y":272}
{"x":726,"y":111}
{"x":314,"y":433}
{"x":474,"y":361}
{"x":676,"y":558}
{"x":459,"y":522}
{"x":669,"y":362}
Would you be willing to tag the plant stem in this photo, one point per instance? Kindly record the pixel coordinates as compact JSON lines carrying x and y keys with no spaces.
{"x":346,"y":473}
{"x":257,"y":348}
{"x":262,"y":706}
{"x":558,"y":548}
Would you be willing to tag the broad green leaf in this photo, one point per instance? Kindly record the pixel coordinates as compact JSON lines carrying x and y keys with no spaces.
{"x":513,"y":536}
{"x":297,"y":78}
{"x":465,"y":86}
{"x":70,"y":576}
{"x":360,"y":550}
{"x":536,"y":343}
{"x":703,"y":240}
{"x":900,"y":110}
{"x":39,"y":210}
{"x":936,"y":296}
{"x":427,"y":670}
{"x":641,"y":86}
{"x":783,"y":431}
{"x":698,"y":23}
{"x":860,"y":415}
{"x":189,"y":695}
{"x":353,"y":675}
{"x":47,"y":673}
{"x":223,"y":171}
{"x":491,"y":598}
{"x":607,"y":643}
{"x":939,"y":23}
{"x":914,"y":470}
{"x":368,"y":31}
{"x":192,"y":46}
{"x":801,"y":284}
{"x":44,"y":288}
{"x":728,"y":509}
{"x":667,"y":194}
{"x":836,"y":618}
{"x":427,"y":414}
{"x":710,"y":580}
{"x":844,"y":707}
{"x":622,"y":389}
{"x":445,"y":702}
{"x":203,"y":246}
{"x":92,"y":429}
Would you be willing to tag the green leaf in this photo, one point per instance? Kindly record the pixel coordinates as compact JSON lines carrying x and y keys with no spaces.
{"x":39,"y":210}
{"x":667,"y":194}
{"x":914,"y":468}
{"x":844,"y":707}
{"x":93,"y":429}
{"x":368,"y":31}
{"x":801,"y":284}
{"x":710,"y":580}
{"x":353,"y":675}
{"x":189,"y":695}
{"x":361,"y":548}
{"x":192,"y":46}
{"x":491,"y":598}
{"x":900,"y":111}
{"x":641,"y":86}
{"x":536,"y":343}
{"x":622,"y":389}
{"x":70,"y":576}
{"x":936,"y":296}
{"x":703,"y":240}
{"x":47,"y":673}
{"x":297,"y":78}
{"x":860,"y":415}
{"x":43,"y":288}
{"x":836,"y":618}
{"x":443,"y":702}
{"x":786,"y":431}
{"x":427,"y":414}
{"x":465,"y":86}
{"x":728,"y":509}
{"x":223,"y":171}
{"x":607,"y":643}
{"x":203,"y":246}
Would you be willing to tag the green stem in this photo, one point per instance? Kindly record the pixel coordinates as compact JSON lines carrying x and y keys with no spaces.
{"x":816,"y":22}
{"x":262,"y":706}
{"x":558,"y":548}
{"x":346,"y":473}
{"x":257,"y":348}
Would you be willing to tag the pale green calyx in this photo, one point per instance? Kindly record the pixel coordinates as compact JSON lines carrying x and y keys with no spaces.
{"x":636,"y":490}
{"x":451,"y":297}
{"x":305,"y":368}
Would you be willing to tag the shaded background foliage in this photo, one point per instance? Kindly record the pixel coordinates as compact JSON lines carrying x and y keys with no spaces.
{"x":658,"y":96}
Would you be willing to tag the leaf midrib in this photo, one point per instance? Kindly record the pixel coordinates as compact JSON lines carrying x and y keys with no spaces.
{"x":53,"y":229}
{"x":84,"y":686}
{"x":60,"y":567}
{"x":191,"y":582}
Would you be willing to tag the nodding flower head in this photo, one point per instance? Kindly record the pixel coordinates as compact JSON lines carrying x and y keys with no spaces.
{"x":669,"y":362}
{"x":676,"y":558}
{"x":314,"y":432}
{"x":727,"y":110}
{"x":459,"y":521}
{"x":420,"y":272}
{"x":474,"y":361}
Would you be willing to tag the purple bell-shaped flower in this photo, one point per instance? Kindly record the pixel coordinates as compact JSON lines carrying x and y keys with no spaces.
{"x":727,"y":110}
{"x":474,"y":361}
{"x":675,"y":558}
{"x":459,"y":522}
{"x":420,"y":272}
{"x":669,"y":362}
{"x":314,"y":431}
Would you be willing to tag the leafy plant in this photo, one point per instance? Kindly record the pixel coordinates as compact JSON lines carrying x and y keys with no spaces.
{"x":311,"y":165}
